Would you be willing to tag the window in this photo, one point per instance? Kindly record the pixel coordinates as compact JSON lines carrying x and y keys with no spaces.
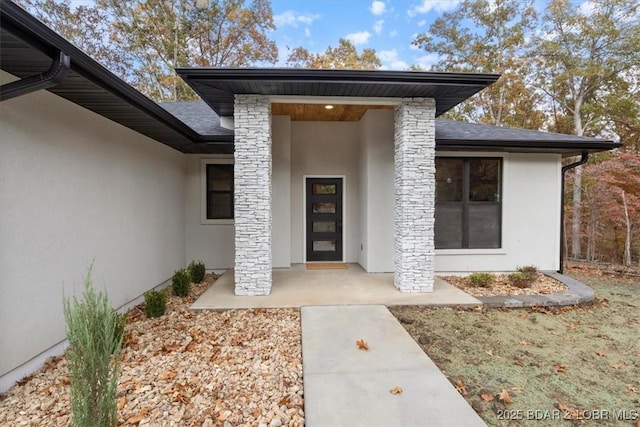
{"x":219,"y":191}
{"x":468,"y":203}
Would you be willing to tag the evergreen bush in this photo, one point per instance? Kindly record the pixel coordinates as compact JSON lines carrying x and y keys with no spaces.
{"x":93,"y":357}
{"x":520,"y":279}
{"x":155,"y":303}
{"x":196,"y":271}
{"x":181,"y":283}
{"x":482,"y":280}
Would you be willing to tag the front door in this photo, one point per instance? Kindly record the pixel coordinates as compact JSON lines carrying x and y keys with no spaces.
{"x":324,"y":219}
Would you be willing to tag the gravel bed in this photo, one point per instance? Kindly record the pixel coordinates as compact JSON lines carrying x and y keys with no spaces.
{"x":543,"y":285}
{"x":205,"y":368}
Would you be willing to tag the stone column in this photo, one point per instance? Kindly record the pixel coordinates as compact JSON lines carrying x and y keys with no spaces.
{"x":252,"y":190}
{"x":414,"y":141}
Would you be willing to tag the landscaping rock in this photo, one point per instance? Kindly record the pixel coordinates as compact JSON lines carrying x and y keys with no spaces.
{"x":231,"y":368}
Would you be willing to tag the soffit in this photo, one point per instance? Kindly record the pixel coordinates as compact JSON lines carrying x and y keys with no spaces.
{"x":318,"y":112}
{"x":218,"y":86}
{"x":27,"y":49}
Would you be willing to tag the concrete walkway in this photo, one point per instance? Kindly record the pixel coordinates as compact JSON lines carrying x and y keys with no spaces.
{"x":345,"y":386}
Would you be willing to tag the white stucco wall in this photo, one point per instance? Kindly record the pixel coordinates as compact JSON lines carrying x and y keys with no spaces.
{"x":377,"y":189}
{"x":76,"y":188}
{"x":281,"y":202}
{"x":206,"y":240}
{"x":530,"y":218}
{"x":325,"y":148}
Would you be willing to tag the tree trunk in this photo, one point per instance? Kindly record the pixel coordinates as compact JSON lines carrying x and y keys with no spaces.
{"x":591,"y":236}
{"x":626,"y":259}
{"x":576,"y":248}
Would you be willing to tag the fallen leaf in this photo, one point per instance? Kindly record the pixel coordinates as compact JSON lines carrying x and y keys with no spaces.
{"x":462,"y":389}
{"x":601,"y":353}
{"x":256,"y":413}
{"x":523,"y":342}
{"x":633,"y":389}
{"x":486,"y":396}
{"x":517,"y":389}
{"x":284,"y":401}
{"x":562,"y":406}
{"x":574,"y":325}
{"x":362,"y":344}
{"x":137,"y":418}
{"x":518,"y":362}
{"x":121,"y":402}
{"x":489,"y":352}
{"x":559,"y":368}
{"x":396,"y":390}
{"x":503,"y":396}
{"x":169,"y":375}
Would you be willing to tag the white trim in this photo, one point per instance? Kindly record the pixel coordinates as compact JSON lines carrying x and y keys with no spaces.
{"x":497,"y":251}
{"x":214,"y":160}
{"x":334,"y":100}
{"x":344,"y":213}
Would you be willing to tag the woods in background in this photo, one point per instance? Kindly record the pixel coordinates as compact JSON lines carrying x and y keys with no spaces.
{"x":573,"y":68}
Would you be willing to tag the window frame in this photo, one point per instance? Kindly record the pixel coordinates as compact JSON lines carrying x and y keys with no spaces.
{"x":466,"y":158}
{"x":204,"y":163}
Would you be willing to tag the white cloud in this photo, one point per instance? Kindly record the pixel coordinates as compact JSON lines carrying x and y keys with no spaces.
{"x":427,"y":61}
{"x":361,"y":37}
{"x":378,"y":7}
{"x":390,"y":60}
{"x":393,"y":33}
{"x":377,"y":26}
{"x":422,"y":23}
{"x":307,"y":32}
{"x":293,"y":19}
{"x":587,"y":8}
{"x":414,"y":47}
{"x":427,"y":6}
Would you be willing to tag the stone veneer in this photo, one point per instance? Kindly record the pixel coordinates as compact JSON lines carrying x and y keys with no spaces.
{"x":414,"y":142}
{"x":252,"y":180}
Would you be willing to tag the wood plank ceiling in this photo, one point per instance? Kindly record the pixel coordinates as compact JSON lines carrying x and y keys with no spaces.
{"x":318,"y":112}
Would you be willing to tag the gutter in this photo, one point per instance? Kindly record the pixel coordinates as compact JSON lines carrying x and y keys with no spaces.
{"x":52,"y":77}
{"x":582,"y":161}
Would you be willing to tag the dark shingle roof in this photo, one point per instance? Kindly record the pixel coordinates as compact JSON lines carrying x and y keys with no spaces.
{"x":198,"y":116}
{"x":456,"y":135}
{"x":450,"y":135}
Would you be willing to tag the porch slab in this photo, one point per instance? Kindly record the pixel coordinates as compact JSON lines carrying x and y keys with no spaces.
{"x":297,"y":287}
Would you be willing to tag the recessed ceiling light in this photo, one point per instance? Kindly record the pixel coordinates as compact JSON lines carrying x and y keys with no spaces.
{"x":328,"y":107}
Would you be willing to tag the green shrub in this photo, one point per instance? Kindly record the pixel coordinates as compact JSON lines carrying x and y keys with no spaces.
{"x":196,"y":271}
{"x":121,"y":321}
{"x":520,"y":279}
{"x":524,"y":276}
{"x":531,"y":270}
{"x":93,"y":357}
{"x":181,"y":283}
{"x":155,"y":303}
{"x":481,"y":280}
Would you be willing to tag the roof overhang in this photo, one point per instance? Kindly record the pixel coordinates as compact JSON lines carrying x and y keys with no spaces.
{"x":218,"y":86}
{"x":27,"y":47}
{"x":463,"y":136}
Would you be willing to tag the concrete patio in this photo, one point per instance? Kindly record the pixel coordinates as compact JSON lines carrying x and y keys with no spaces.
{"x":297,"y":287}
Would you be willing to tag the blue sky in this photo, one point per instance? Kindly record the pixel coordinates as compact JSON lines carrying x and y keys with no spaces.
{"x":384,"y":25}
